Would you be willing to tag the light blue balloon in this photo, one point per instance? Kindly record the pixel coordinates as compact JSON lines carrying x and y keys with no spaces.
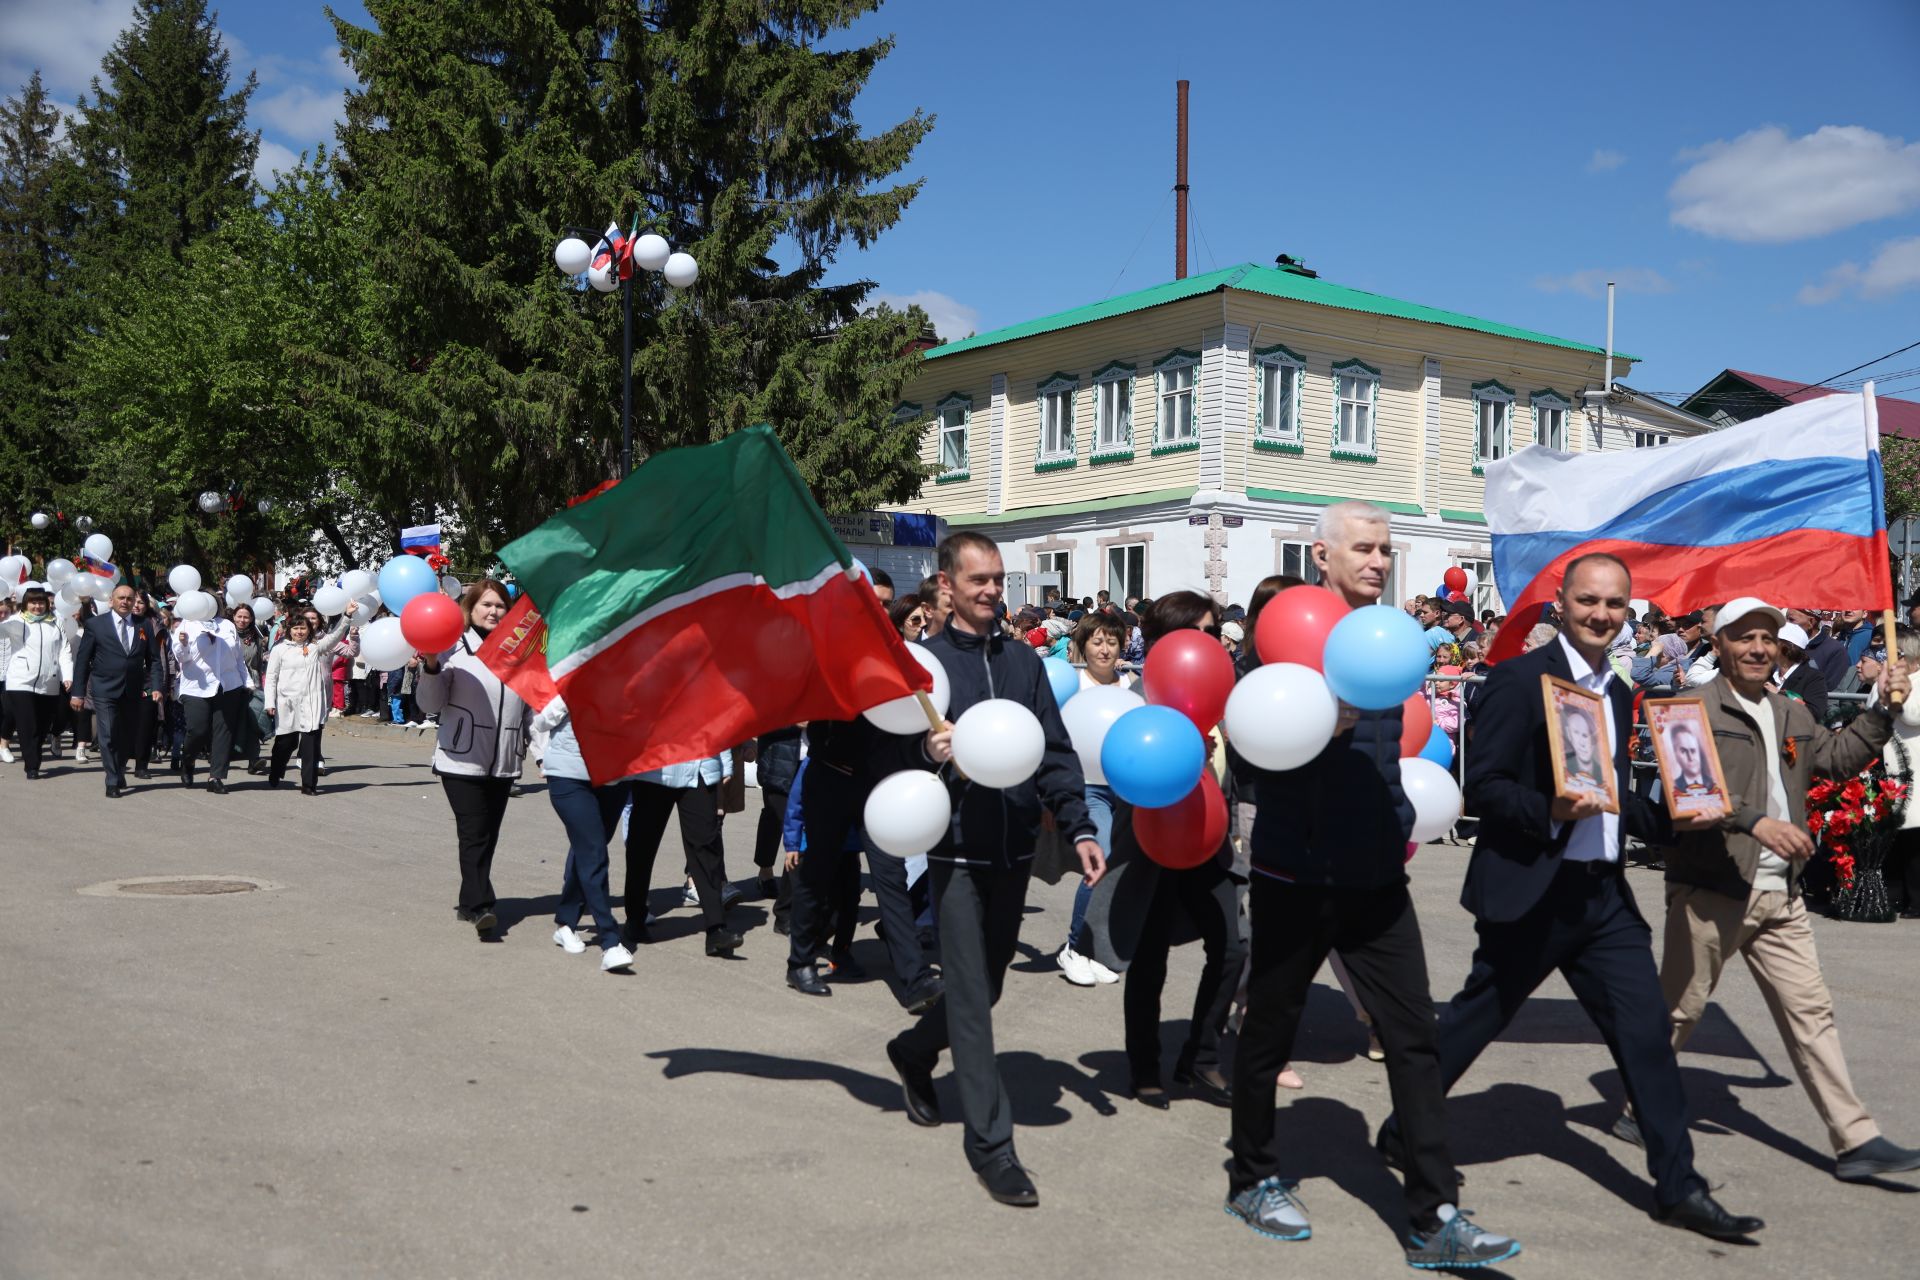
{"x":1064,"y":679}
{"x":404,"y":577}
{"x":1439,"y":748}
{"x":1376,"y":658}
{"x":1152,"y":757}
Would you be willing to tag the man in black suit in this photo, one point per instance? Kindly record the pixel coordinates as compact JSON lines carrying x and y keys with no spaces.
{"x":1546,"y":890}
{"x":117,"y":667}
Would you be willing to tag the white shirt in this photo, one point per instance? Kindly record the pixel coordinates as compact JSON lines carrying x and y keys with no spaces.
{"x":210,"y":661}
{"x":1770,"y":876}
{"x":1595,"y":839}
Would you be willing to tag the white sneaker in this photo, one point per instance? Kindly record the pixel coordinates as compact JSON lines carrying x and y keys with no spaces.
{"x":6,"y":755}
{"x":80,"y":754}
{"x":323,"y":766}
{"x":568,"y":941}
{"x":615,"y":958}
{"x":1077,"y":968}
{"x":689,"y":897}
{"x":1101,"y":974}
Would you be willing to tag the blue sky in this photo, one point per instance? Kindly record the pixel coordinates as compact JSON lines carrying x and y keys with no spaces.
{"x":1748,"y":172}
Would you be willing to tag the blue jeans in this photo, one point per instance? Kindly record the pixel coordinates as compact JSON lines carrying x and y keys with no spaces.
{"x":1100,"y":809}
{"x":589,"y":814}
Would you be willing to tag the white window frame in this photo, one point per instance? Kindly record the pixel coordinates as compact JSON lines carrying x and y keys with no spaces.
{"x":1295,"y":556}
{"x":1112,"y":412}
{"x":1060,"y":562}
{"x":1278,"y":424}
{"x":1491,"y":396}
{"x":1484,"y":595}
{"x":1123,"y":589}
{"x":961,"y":407}
{"x":1054,"y":400}
{"x":1168,"y":373}
{"x":1545,"y":403}
{"x":1651,"y":439}
{"x":1364,"y":397}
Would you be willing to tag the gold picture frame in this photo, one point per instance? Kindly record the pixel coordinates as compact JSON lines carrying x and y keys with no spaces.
{"x":1691,"y":778}
{"x":1577,"y":724}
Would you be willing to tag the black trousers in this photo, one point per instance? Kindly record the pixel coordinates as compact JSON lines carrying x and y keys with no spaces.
{"x":826,"y":889}
{"x":308,"y":743}
{"x":146,"y":726}
{"x":113,"y":732}
{"x":980,"y":909}
{"x":213,"y":727}
{"x":479,"y":806}
{"x":767,"y":851}
{"x":1586,"y":927}
{"x":699,"y":810}
{"x":1378,"y":935}
{"x":1210,"y":899}
{"x":34,"y":716}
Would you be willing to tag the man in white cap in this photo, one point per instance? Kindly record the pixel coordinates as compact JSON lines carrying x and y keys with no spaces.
{"x":1735,"y":886}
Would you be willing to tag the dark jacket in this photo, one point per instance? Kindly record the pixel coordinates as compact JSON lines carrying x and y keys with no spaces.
{"x":990,"y":825}
{"x":1340,"y":820}
{"x":1829,"y":657}
{"x":1510,"y":787}
{"x":104,"y":671}
{"x":778,"y":762}
{"x":1806,"y":683}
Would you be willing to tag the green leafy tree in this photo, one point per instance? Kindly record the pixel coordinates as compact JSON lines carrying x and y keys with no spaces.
{"x":481,"y":133}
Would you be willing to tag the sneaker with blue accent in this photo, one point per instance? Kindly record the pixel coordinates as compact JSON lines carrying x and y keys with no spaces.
{"x":1273,"y":1208}
{"x":1456,"y":1242}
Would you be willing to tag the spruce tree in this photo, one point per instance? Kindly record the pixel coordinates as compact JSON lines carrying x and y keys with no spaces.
{"x":481,"y":133}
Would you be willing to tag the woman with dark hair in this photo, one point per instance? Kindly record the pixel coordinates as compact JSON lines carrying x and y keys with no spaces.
{"x":253,"y":656}
{"x":478,"y":748}
{"x":1139,"y":901}
{"x":38,"y":662}
{"x":294,"y":692}
{"x":909,"y":617}
{"x":1098,"y":639}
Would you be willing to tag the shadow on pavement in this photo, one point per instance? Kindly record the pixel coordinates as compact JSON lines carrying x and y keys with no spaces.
{"x":882,"y":1093}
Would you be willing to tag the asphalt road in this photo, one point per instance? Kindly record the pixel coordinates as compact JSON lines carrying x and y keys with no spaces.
{"x":334,"y":1078}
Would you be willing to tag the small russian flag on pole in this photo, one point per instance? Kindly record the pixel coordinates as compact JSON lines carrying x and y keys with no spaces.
{"x":420,"y":540}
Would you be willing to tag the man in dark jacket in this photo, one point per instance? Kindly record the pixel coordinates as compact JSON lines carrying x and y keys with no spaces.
{"x":980,"y":868}
{"x":1329,"y":873}
{"x":1799,"y":678}
{"x":116,"y":665}
{"x":1547,"y":890}
{"x":1824,"y":654}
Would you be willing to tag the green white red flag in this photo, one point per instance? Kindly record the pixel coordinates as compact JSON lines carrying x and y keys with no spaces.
{"x":698,"y":603}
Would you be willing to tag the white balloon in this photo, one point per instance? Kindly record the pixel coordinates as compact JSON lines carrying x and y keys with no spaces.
{"x":240,"y":587}
{"x":263,"y":608}
{"x":908,"y":813}
{"x":572,"y":255}
{"x":356,"y":583}
{"x":99,"y":546}
{"x":903,"y":715}
{"x":604,"y":278}
{"x":998,"y":743}
{"x":1281,"y":715}
{"x":196,"y":606}
{"x":183,"y":578}
{"x":1435,"y":796}
{"x":65,"y":605}
{"x":14,"y":569}
{"x":451,"y":585}
{"x":330,"y":600}
{"x":681,"y":270}
{"x":40,"y":520}
{"x":651,"y":251}
{"x":1088,"y":715}
{"x":98,"y":586}
{"x":367,"y":607}
{"x":383,"y":647}
{"x":59,"y":570}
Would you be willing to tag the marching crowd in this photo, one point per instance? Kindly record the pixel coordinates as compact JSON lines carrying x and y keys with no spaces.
{"x":1312,"y":869}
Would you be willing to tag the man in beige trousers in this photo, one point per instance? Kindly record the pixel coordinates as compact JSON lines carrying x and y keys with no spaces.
{"x":1735,"y":886}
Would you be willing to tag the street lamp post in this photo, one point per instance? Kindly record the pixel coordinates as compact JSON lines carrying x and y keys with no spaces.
{"x":609,"y":264}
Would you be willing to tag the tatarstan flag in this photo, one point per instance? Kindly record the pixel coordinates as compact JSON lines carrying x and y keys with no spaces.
{"x":702,"y":601}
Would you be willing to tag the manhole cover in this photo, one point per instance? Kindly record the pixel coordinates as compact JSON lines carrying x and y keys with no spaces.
{"x":176,"y":886}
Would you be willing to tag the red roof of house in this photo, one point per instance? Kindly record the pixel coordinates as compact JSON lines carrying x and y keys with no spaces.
{"x":1897,"y":417}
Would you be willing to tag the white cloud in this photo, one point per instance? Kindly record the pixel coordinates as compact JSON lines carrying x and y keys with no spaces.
{"x":65,"y":41}
{"x":951,"y":319}
{"x":1767,"y":187}
{"x":1605,"y":160}
{"x":273,"y":157}
{"x":1895,"y":269}
{"x":301,"y":112}
{"x":1592,"y":282}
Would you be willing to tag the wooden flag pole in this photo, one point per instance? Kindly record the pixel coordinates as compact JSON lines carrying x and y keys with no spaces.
{"x":1890,"y":628}
{"x":935,"y":724}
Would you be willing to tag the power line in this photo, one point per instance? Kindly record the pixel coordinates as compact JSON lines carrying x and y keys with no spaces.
{"x":1808,"y":386}
{"x":1151,"y":223}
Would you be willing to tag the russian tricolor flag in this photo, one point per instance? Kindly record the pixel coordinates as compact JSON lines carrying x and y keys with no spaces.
{"x":420,"y":539}
{"x":1788,"y":507}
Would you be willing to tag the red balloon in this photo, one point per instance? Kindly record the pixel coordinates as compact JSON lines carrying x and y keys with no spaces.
{"x":1190,"y":672}
{"x":1189,"y":831}
{"x":1294,"y":625}
{"x":1455,"y":578}
{"x":432,"y":622}
{"x":1416,"y":724}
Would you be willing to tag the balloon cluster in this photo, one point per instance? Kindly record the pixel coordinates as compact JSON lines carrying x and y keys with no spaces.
{"x":1456,"y":584}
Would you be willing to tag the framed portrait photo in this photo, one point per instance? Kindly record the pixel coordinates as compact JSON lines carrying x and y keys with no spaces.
{"x":1690,"y":774}
{"x":1577,"y":732}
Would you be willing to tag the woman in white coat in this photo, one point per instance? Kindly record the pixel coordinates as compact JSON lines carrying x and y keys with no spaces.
{"x":480,"y":743}
{"x":39,"y":663}
{"x":298,"y":691}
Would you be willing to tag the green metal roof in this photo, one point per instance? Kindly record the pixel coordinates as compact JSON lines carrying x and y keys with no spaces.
{"x":1273,"y":282}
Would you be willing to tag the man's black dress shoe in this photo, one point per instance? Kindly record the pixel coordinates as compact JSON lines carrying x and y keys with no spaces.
{"x":722,"y":941}
{"x":806,"y":980}
{"x":916,"y":1088}
{"x":1702,"y":1213}
{"x":1208,"y":1084}
{"x":114,"y":793}
{"x":1151,"y":1095}
{"x":145,"y":775}
{"x":483,"y":920}
{"x":1008,"y":1183}
{"x":925,"y":994}
{"x":216,"y":786}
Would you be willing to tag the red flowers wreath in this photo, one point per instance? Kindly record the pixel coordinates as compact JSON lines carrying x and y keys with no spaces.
{"x":1843,"y":812}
